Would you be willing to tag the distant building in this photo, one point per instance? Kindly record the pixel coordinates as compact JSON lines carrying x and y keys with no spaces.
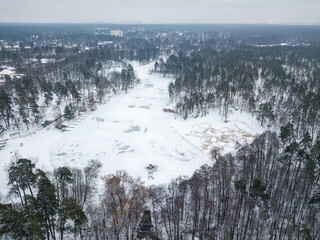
{"x":104,"y":43}
{"x":4,"y":73}
{"x":116,"y":33}
{"x":47,"y":60}
{"x":7,"y":72}
{"x":102,"y":31}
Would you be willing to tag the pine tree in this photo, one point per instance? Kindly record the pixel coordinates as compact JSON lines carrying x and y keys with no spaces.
{"x":22,"y":177}
{"x":48,"y":203}
{"x":63,"y":177}
{"x":67,"y":113}
{"x":69,"y":209}
{"x":5,"y":107}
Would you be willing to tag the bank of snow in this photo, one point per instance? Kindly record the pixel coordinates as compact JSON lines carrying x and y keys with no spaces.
{"x":132,"y":131}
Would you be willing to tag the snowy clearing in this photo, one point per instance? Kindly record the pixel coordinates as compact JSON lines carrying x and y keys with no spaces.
{"x":131,"y":131}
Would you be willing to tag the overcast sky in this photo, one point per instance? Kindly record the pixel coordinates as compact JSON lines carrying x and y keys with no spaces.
{"x":162,"y":11}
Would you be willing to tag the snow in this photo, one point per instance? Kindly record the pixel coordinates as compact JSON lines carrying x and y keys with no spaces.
{"x":47,"y":60}
{"x":284,"y":44}
{"x":131,"y":131}
{"x":7,"y":67}
{"x":6,"y":72}
{"x":272,"y":45}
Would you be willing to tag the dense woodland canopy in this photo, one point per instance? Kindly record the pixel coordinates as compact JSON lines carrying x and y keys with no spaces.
{"x":277,"y":84}
{"x":269,"y":189}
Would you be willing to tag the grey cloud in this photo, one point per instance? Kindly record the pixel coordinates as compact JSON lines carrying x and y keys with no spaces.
{"x":161,"y":11}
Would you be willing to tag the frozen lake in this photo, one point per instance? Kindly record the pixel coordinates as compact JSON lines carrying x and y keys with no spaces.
{"x":131,"y":131}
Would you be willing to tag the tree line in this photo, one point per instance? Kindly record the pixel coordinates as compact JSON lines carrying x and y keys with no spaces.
{"x":26,"y":101}
{"x":268,"y":189}
{"x":276,"y":84}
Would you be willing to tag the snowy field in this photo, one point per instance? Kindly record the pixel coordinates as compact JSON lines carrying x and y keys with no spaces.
{"x":131,"y":131}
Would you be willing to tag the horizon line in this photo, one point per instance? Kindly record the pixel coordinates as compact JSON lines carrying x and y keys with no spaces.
{"x":172,"y":23}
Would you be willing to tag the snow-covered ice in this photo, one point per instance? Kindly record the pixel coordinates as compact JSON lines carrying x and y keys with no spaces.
{"x":131,"y":131}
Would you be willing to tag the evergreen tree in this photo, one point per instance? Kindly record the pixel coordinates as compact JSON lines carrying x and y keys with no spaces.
{"x":63,"y":177}
{"x":68,"y":113}
{"x":5,"y":107}
{"x":69,"y":209}
{"x":22,"y":177}
{"x":48,"y":203}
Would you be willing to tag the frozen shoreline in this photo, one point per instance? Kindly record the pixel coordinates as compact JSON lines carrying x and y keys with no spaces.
{"x":132,"y":131}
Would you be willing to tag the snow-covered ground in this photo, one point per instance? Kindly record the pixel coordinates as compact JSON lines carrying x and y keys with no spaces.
{"x":131,"y":131}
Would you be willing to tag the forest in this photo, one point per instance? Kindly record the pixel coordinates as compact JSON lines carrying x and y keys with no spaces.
{"x":266,"y":189}
{"x":279,"y":85}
